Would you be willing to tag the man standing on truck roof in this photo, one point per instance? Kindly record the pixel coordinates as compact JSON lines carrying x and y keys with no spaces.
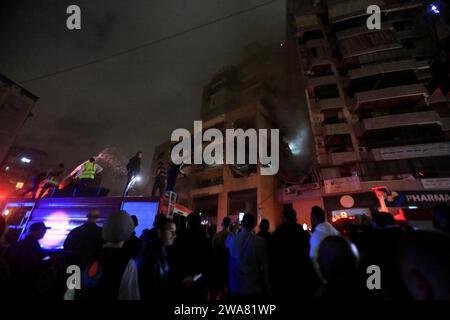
{"x":133,"y":170}
{"x":87,"y":172}
{"x":160,"y":180}
{"x":53,"y":179}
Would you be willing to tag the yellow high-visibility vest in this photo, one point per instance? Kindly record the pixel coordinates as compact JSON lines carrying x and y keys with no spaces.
{"x":88,"y":171}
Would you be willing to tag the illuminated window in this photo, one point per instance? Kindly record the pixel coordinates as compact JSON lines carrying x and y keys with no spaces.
{"x":19,"y":185}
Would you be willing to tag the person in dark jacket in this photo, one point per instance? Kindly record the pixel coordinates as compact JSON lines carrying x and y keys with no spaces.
{"x":133,"y":169}
{"x":155,"y":264}
{"x":26,"y":259}
{"x":219,"y":274}
{"x":193,"y":252}
{"x":159,"y":179}
{"x":34,"y":184}
{"x":264,"y":232}
{"x":133,"y":245}
{"x":441,"y":218}
{"x":84,"y":242}
{"x":150,"y":235}
{"x":172,"y":175}
{"x":291,"y":266}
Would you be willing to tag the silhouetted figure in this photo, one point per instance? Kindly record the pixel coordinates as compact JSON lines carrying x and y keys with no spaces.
{"x":264,"y":227}
{"x":172,"y":175}
{"x":113,"y":275}
{"x":156,"y":279}
{"x":249,"y":263}
{"x":338,"y":261}
{"x":151,"y":235}
{"x":193,"y":260}
{"x":35,"y":182}
{"x":84,"y":242}
{"x":441,"y":218}
{"x":423,"y":261}
{"x":292,"y":272}
{"x":160,"y":177}
{"x":133,"y":245}
{"x":321,"y":229}
{"x":27,"y":262}
{"x":133,"y":170}
{"x":53,"y":179}
{"x":219,"y":281}
{"x":382,"y":220}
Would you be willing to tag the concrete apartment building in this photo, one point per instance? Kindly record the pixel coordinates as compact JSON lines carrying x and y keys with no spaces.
{"x":235,"y":98}
{"x":19,"y":165}
{"x":16,"y":104}
{"x":374,"y":121}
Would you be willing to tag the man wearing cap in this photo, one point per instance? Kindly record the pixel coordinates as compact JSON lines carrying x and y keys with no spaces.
{"x":113,"y":275}
{"x":84,"y":242}
{"x":27,"y":260}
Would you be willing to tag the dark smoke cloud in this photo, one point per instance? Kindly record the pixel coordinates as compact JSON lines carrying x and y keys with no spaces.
{"x":132,"y":102}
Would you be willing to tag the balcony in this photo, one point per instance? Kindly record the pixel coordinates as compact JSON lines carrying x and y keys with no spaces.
{"x":307,"y":22}
{"x":359,"y":30}
{"x":324,"y":104}
{"x":445,"y":123}
{"x":349,"y":53}
{"x":412,"y":151}
{"x":382,"y":68}
{"x":389,"y":93}
{"x":407,"y":34}
{"x":317,"y":80}
{"x":205,"y":191}
{"x":335,"y":128}
{"x":398,"y":120}
{"x":438,"y":99}
{"x":337,"y":158}
{"x":316,"y":43}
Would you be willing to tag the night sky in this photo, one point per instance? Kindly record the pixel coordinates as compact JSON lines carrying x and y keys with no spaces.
{"x":134,"y":101}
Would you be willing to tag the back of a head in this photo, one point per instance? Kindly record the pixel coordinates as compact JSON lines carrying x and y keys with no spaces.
{"x":289,"y":215}
{"x":441,"y":217}
{"x":93,"y":214}
{"x":135,"y":220}
{"x":226,"y":222}
{"x":423,"y":259}
{"x":318,"y":215}
{"x":264,"y":225}
{"x":159,"y":220}
{"x":383,"y":219}
{"x":118,"y":227}
{"x":194,"y":221}
{"x":92,"y":159}
{"x":338,"y":259}
{"x":249,"y":222}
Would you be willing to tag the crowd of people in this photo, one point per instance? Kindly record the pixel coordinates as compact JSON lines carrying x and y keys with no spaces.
{"x":235,"y":264}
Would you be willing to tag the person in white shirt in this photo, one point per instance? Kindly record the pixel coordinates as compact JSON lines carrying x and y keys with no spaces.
{"x":321,"y":230}
{"x":113,"y":275}
{"x":249,"y":274}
